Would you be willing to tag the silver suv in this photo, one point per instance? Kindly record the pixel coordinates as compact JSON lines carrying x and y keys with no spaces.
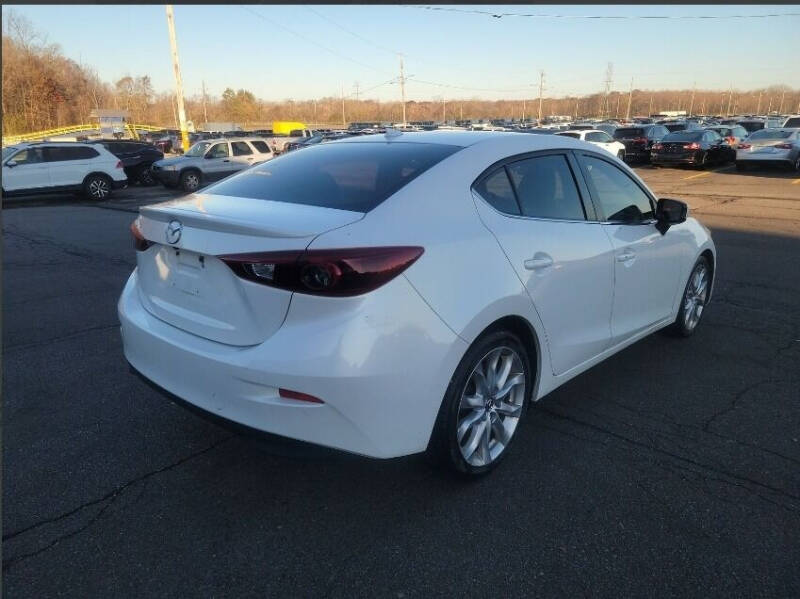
{"x":211,"y":160}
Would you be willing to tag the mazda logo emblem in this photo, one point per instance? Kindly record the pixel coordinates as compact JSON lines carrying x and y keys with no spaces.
{"x":173,"y":232}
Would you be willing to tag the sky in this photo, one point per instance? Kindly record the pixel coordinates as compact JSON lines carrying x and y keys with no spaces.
{"x":299,"y":52}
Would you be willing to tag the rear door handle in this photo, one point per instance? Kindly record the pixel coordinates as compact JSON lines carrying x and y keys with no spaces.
{"x":625,"y":256}
{"x":538,"y":263}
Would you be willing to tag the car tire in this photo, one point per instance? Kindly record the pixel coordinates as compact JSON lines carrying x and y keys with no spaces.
{"x":145,"y":177}
{"x":693,"y":300}
{"x":741,"y":167}
{"x":97,"y":187}
{"x":473,"y":432}
{"x":704,"y":162}
{"x":190,"y":181}
{"x":797,"y":164}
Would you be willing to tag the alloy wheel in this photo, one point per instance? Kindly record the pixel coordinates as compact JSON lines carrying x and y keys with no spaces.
{"x":98,"y":188}
{"x":695,"y":298}
{"x":490,"y":407}
{"x":191,"y":182}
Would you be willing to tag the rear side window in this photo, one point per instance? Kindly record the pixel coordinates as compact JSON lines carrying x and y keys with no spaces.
{"x":55,"y":154}
{"x":240,"y":148}
{"x":496,"y":189}
{"x":629,"y":132}
{"x":792,"y":122}
{"x":620,"y":198}
{"x":260,"y":146}
{"x":545,"y":188}
{"x":349,"y":176}
{"x":28,"y":156}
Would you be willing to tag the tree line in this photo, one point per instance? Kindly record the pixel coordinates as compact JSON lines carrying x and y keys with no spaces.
{"x":43,"y":89}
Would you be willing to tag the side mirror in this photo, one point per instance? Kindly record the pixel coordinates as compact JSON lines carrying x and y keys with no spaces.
{"x":670,"y":212}
{"x":11,"y":163}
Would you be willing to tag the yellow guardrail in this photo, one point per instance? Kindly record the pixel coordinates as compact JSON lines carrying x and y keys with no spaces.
{"x":40,"y":135}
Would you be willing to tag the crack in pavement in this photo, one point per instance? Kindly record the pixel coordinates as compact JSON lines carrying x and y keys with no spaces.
{"x":72,"y":335}
{"x":670,"y":454}
{"x":68,"y":249}
{"x":732,"y":405}
{"x":109,"y":497}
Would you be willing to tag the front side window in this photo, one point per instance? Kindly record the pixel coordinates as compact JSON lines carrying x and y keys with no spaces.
{"x":545,"y":188}
{"x":28,"y":156}
{"x":496,"y":189}
{"x":618,"y":196}
{"x":218,"y":151}
{"x":241,"y":148}
{"x":197,"y":149}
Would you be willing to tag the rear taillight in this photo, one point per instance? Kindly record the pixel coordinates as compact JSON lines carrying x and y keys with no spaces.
{"x":730,"y":140}
{"x":119,"y":164}
{"x":342,"y":272}
{"x":784,"y":146}
{"x":139,"y":242}
{"x":692,"y":146}
{"x":658,"y":147}
{"x":743,"y":146}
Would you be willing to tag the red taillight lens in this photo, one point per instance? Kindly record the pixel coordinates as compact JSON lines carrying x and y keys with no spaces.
{"x":342,"y":273}
{"x":692,"y":146}
{"x":658,"y":147}
{"x":784,"y":146}
{"x":730,"y":140}
{"x":640,"y":140}
{"x":289,"y":394}
{"x":139,"y":242}
{"x":743,"y":146}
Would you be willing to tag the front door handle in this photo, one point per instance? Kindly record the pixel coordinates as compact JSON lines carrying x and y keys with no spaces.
{"x":626,"y":256}
{"x":537,"y":263}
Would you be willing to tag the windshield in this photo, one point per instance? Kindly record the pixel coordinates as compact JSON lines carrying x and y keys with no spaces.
{"x":570,"y":134}
{"x":198,"y":149}
{"x":683,"y":136}
{"x":676,"y":126}
{"x":767,"y":134}
{"x":9,"y":151}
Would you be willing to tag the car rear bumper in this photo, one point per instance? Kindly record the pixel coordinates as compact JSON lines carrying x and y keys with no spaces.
{"x":675,"y":158}
{"x":783,"y":158}
{"x":382,"y":371}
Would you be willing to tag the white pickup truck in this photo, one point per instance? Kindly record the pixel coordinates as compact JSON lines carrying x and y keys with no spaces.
{"x":278,"y":142}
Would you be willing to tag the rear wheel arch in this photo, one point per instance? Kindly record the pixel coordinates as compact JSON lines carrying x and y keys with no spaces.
{"x":709,"y":255}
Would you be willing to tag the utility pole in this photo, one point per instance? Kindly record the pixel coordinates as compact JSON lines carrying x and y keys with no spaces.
{"x":606,"y":108}
{"x":344,"y":121}
{"x":651,"y":105}
{"x":205,"y":110}
{"x":691,"y":104}
{"x":403,"y":89}
{"x":541,"y":89}
{"x":758,"y":108}
{"x":630,"y":97}
{"x":444,"y":110}
{"x":178,"y":82}
{"x":780,"y":108}
{"x":616,"y":112}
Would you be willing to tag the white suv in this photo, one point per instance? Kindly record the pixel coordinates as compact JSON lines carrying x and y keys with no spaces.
{"x":54,"y":167}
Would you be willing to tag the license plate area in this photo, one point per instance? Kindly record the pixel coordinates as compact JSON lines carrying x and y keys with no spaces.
{"x":186,"y":273}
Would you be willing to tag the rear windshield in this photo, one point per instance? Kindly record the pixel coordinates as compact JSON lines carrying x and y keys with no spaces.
{"x":770,"y":134}
{"x":575,"y":135}
{"x":792,"y":122}
{"x":628,"y":132}
{"x":675,"y":126}
{"x":752,"y":125}
{"x":683,"y":136}
{"x":346,"y":176}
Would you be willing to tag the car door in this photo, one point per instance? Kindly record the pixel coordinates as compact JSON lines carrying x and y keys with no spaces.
{"x":26,"y":170}
{"x":539,"y":212}
{"x":217,"y":162}
{"x":646,"y":263}
{"x":69,"y":165}
{"x":243,"y":155}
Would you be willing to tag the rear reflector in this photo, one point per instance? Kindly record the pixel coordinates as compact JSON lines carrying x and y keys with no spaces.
{"x":334,"y":272}
{"x":288,"y":394}
{"x":743,"y":146}
{"x":139,"y":242}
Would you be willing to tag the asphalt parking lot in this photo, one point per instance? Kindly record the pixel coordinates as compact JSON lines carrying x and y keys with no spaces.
{"x":670,"y":470}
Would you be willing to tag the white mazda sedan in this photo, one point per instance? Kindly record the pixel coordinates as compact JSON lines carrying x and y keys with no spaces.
{"x":393,"y":294}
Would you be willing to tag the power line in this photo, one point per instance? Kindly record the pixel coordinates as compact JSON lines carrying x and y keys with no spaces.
{"x":353,"y":33}
{"x":614,"y":17}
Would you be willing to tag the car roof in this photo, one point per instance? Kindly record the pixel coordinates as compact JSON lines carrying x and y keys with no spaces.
{"x":221,"y":139}
{"x":443,"y":137}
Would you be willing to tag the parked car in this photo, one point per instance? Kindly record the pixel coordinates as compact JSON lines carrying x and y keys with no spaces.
{"x":61,"y":167}
{"x":697,"y":148}
{"x":790,"y":122}
{"x":278,"y":143}
{"x":275,"y":299}
{"x":601,"y":139}
{"x":210,"y":160}
{"x":733,"y":134}
{"x":137,"y":157}
{"x":770,"y":147}
{"x":639,"y":140}
{"x":607,"y":127}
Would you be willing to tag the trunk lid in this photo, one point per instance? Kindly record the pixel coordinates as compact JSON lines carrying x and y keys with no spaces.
{"x":182,"y":282}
